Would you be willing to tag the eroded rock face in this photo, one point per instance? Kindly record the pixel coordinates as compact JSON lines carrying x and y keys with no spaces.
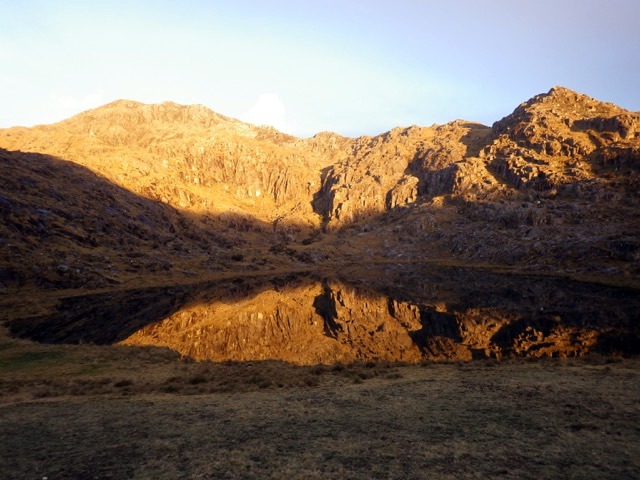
{"x":558,"y":138}
{"x":188,"y":157}
{"x":398,"y":167}
{"x":553,"y":185}
{"x":553,"y":140}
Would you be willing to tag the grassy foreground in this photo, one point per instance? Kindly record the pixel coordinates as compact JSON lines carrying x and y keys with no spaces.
{"x":118,"y":412}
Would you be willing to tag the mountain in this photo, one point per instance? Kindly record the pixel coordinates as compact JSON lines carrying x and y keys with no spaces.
{"x":187,"y":156}
{"x":130,"y":192}
{"x":554,"y":140}
{"x":554,"y":186}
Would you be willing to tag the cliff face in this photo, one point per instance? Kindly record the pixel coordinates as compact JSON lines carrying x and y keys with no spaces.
{"x":561,"y":139}
{"x":396,"y":168}
{"x":188,"y":157}
{"x":554,"y":185}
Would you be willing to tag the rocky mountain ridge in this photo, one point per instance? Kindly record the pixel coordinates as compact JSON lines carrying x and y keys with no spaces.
{"x":556,"y":139}
{"x":552,"y":187}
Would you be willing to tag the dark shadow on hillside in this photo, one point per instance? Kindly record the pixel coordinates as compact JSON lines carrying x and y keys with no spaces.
{"x":320,"y":202}
{"x":477,"y":138}
{"x":90,"y":226}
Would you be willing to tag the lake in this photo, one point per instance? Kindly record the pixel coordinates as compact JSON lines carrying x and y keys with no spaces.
{"x":389,"y":313}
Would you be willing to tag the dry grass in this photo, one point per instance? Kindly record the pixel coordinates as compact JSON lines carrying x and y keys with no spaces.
{"x":32,"y":371}
{"x":118,"y":412}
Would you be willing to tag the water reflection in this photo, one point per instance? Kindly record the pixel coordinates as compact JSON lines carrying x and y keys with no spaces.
{"x":393,"y":314}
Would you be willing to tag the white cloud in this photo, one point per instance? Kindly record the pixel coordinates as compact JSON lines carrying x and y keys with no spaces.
{"x":73,"y":104}
{"x":268,"y":110}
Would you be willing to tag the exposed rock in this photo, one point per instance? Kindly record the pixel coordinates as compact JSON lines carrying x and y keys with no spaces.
{"x":394,"y":169}
{"x":405,"y":191}
{"x":549,"y":140}
{"x":182,"y":185}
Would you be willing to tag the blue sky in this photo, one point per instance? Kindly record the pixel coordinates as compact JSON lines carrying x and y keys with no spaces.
{"x":354,"y":67}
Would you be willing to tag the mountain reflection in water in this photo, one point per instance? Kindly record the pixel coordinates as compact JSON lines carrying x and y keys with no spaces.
{"x":391,"y":314}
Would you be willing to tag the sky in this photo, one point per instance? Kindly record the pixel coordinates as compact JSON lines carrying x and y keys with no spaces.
{"x":352,"y":67}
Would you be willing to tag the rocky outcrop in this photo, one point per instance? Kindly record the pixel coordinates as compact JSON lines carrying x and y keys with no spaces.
{"x":557,"y":138}
{"x":552,"y":185}
{"x":358,"y":186}
{"x":399,"y":167}
{"x":404,"y":192}
{"x":460,"y":178}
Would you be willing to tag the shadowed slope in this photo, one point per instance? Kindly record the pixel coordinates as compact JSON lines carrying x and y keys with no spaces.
{"x":64,"y":226}
{"x":553,"y":186}
{"x":188,"y":157}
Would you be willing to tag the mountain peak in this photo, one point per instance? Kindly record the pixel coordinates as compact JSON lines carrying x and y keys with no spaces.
{"x":121,"y":103}
{"x":561,"y":169}
{"x":560,"y":90}
{"x":128,"y":122}
{"x":129,"y":110}
{"x":560,"y":103}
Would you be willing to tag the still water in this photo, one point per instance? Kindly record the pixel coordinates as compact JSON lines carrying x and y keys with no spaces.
{"x":395,"y":313}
